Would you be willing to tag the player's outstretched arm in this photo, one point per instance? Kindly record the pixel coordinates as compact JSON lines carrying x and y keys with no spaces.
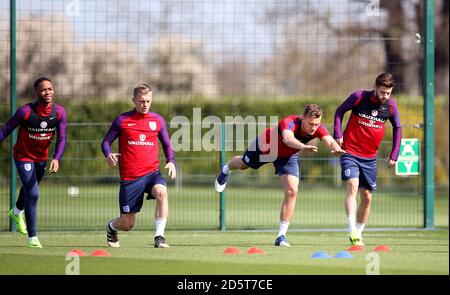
{"x":334,"y":147}
{"x":292,"y":142}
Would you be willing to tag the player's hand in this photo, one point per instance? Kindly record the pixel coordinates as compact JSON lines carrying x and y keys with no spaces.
{"x":390,"y":162}
{"x":172,"y":171}
{"x":338,"y":152}
{"x":340,"y":141}
{"x":113,"y":159}
{"x":309,"y":148}
{"x":54,"y":166}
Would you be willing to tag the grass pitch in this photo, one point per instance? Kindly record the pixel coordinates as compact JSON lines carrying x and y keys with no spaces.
{"x":201,"y":253}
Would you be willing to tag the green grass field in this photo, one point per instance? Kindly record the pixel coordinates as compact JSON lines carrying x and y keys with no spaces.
{"x":197,"y":246}
{"x":201,"y":252}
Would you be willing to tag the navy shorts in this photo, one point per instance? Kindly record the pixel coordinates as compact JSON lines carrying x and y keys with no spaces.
{"x":253,"y":158}
{"x":362,"y":168}
{"x":131,"y":194}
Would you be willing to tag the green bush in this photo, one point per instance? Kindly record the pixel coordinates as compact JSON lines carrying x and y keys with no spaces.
{"x":89,"y":122}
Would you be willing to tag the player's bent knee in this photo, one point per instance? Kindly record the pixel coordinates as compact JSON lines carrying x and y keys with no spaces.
{"x":292,"y":192}
{"x":366,"y":199}
{"x":33,"y":196}
{"x":160,"y":193}
{"x":352,"y":190}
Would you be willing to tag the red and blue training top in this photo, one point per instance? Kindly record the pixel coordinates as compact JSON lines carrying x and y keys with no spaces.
{"x":138,"y":143}
{"x":365,"y":127}
{"x":293,"y":123}
{"x":38,"y":125}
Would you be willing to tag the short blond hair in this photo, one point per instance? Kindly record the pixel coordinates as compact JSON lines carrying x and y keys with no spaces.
{"x":142,"y":89}
{"x":313,"y":110}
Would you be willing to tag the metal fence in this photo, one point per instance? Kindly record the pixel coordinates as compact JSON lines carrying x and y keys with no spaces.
{"x":212,"y":52}
{"x":83,"y":195}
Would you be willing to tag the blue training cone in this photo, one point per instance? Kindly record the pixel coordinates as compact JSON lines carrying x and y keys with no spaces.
{"x":343,"y":254}
{"x":321,"y":254}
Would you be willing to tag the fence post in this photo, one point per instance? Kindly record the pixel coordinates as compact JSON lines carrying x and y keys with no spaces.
{"x":222,"y":162}
{"x":429,"y":115}
{"x":12,"y":83}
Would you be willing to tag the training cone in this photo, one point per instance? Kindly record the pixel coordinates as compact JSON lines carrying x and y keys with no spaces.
{"x":100,"y":253}
{"x":382,"y":248}
{"x":76,"y":252}
{"x":232,"y":250}
{"x":355,"y":248}
{"x":343,"y":254}
{"x":254,"y":250}
{"x":321,"y":254}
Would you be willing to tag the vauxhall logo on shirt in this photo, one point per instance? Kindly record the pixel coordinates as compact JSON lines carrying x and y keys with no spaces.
{"x":43,"y":128}
{"x":141,"y":141}
{"x":42,"y":136}
{"x":372,"y":119}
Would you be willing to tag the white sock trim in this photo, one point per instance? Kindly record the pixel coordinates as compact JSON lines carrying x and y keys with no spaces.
{"x":284,"y":225}
{"x":225,"y":169}
{"x":351,"y":221}
{"x":160,"y":224}
{"x":17,"y":212}
{"x":111,"y":225}
{"x":360,"y":227}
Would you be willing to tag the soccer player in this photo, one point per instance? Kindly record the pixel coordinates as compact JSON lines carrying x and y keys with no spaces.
{"x":361,"y":140}
{"x":39,"y":121}
{"x":280,"y":145}
{"x":139,"y":131}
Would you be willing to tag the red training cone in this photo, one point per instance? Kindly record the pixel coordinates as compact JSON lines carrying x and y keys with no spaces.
{"x":382,"y":248}
{"x":232,"y":250}
{"x":100,"y":253}
{"x":355,"y":248}
{"x":255,"y":250}
{"x":76,"y":252}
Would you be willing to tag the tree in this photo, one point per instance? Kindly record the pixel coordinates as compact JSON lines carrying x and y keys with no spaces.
{"x":315,"y":54}
{"x":180,"y":67}
{"x":233,"y":77}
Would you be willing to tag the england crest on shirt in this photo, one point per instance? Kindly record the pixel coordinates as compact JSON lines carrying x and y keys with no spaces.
{"x":152,"y":125}
{"x":27,"y":167}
